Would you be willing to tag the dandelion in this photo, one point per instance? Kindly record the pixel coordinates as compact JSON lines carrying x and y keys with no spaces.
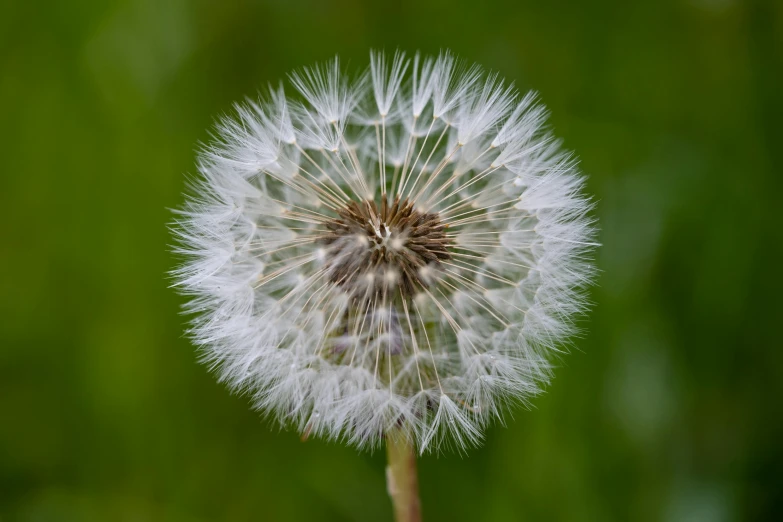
{"x":396,"y":255}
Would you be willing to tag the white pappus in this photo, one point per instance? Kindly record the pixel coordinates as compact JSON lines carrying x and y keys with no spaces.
{"x":403,"y":251}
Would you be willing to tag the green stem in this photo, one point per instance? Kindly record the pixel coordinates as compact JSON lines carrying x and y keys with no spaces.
{"x":402,"y":482}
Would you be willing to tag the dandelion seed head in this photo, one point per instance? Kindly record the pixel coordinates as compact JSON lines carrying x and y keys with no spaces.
{"x":406,"y":249}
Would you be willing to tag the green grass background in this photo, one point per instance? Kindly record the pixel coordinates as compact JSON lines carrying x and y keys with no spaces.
{"x":670,"y":408}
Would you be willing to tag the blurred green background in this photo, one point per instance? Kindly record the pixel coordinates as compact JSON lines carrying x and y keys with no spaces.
{"x":670,"y":408}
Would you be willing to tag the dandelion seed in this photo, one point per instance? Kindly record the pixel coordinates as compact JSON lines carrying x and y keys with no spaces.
{"x":401,"y":253}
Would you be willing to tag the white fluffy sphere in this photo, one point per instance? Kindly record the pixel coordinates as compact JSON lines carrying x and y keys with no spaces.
{"x":402,"y":252}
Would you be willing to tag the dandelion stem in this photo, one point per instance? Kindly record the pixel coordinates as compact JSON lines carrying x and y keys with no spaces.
{"x":402,"y":481}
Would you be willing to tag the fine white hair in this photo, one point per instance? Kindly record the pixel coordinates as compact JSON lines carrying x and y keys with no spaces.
{"x":400,"y":252}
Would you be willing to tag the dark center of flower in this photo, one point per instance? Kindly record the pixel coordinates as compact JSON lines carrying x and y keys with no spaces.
{"x":373,"y":252}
